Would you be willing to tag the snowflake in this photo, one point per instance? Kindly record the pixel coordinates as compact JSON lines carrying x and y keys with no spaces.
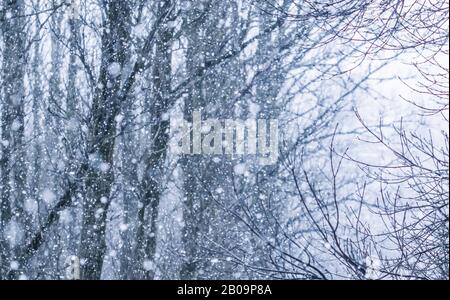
{"x":16,"y":125}
{"x":14,"y":265}
{"x":240,"y":169}
{"x":48,"y":196}
{"x":148,"y":265}
{"x":114,"y":69}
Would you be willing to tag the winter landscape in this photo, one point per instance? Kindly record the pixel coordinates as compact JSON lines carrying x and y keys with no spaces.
{"x":212,"y":139}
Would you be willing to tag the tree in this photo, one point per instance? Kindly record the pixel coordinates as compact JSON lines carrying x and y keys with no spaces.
{"x":13,"y":172}
{"x":90,"y":89}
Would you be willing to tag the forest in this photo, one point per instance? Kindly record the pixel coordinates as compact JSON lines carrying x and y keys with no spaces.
{"x":224,"y":139}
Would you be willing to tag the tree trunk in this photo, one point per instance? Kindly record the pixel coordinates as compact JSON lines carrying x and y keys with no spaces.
{"x":12,"y":125}
{"x":102,"y":131}
{"x":155,"y":157}
{"x":192,"y":208}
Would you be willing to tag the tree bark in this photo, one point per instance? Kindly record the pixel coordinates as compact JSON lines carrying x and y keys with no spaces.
{"x":155,"y":158}
{"x":102,"y":131}
{"x":12,"y":125}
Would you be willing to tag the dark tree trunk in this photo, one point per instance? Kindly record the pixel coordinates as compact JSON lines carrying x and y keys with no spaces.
{"x":105,"y":108}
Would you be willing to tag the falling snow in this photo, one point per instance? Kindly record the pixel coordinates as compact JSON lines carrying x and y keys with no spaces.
{"x":105,"y":169}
